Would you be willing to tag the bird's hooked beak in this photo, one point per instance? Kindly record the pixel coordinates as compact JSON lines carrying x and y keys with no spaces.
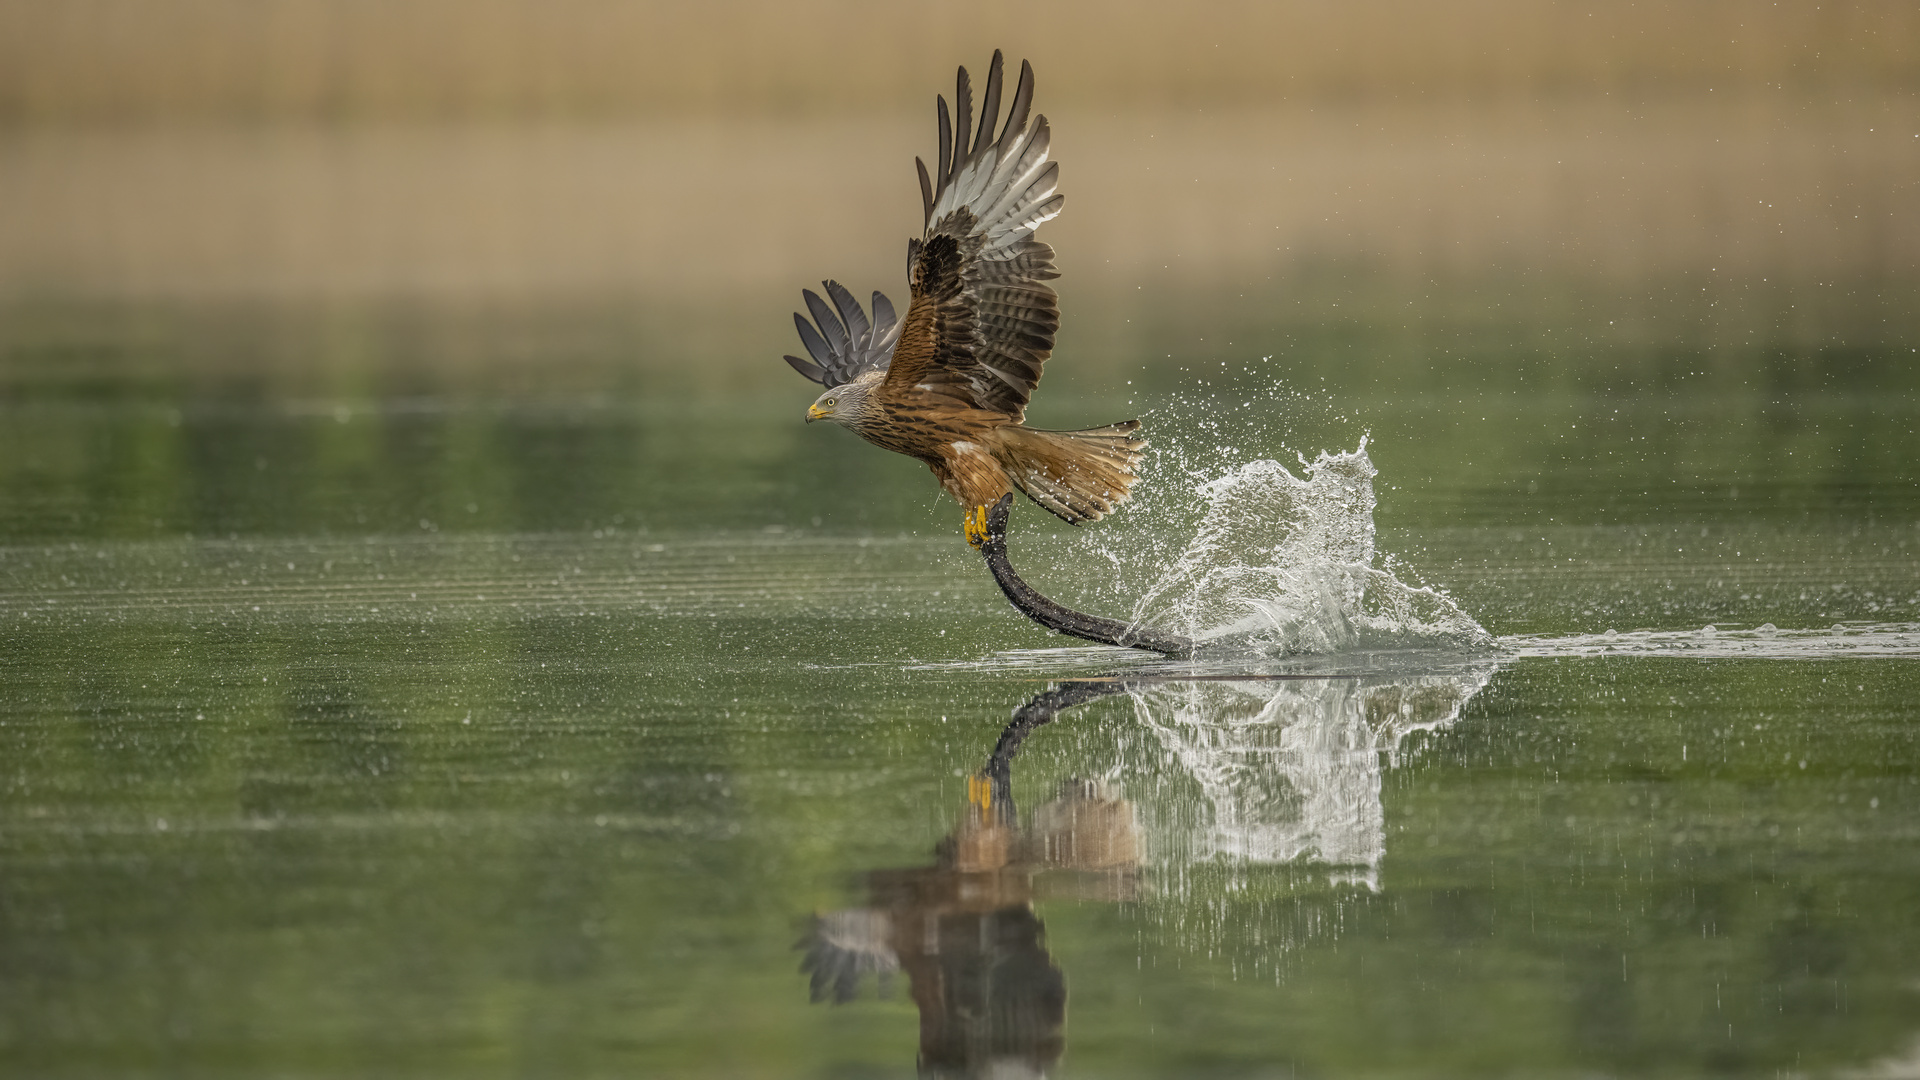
{"x":815,"y":412}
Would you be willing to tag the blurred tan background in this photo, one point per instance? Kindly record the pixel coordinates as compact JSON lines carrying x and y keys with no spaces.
{"x":706,"y":161}
{"x":379,"y":59}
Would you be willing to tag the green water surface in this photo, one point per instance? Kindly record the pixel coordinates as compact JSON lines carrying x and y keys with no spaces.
{"x":414,"y":724}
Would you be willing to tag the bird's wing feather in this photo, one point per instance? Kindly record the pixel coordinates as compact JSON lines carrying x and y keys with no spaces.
{"x":847,"y":344}
{"x":983,"y":319}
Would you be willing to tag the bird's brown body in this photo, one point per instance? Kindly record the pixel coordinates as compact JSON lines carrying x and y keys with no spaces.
{"x":978,"y":455}
{"x":949,"y":384}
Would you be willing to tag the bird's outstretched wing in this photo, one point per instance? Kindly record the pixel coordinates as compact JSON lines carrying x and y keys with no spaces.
{"x":846,"y":345}
{"x":982,"y":318}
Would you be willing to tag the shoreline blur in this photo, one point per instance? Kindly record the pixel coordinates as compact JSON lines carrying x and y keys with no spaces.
{"x":501,"y":184}
{"x":133,"y":61}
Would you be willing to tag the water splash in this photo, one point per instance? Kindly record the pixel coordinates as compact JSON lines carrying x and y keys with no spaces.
{"x":1284,"y":565}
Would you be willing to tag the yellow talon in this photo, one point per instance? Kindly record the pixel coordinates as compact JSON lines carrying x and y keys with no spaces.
{"x":976,"y":526}
{"x":980,"y":794}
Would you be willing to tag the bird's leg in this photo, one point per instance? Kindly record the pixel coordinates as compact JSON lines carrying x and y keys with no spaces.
{"x":976,"y":526}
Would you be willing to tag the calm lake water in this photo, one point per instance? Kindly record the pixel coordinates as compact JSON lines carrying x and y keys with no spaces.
{"x":444,"y":725}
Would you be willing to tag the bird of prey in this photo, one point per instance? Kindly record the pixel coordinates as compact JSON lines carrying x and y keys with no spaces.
{"x":949,"y":383}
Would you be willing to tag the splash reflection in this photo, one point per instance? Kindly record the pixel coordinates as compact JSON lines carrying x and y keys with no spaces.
{"x":1288,"y":770}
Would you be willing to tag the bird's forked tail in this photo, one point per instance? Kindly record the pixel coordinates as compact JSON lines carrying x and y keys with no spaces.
{"x":1078,"y":475}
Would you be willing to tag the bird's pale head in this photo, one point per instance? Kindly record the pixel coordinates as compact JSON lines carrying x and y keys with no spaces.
{"x":847,"y":404}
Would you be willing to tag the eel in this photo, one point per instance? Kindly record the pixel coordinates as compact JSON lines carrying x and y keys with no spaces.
{"x":1062,"y":619}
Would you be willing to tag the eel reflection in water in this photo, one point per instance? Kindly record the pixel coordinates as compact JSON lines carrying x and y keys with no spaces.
{"x":1062,"y":619}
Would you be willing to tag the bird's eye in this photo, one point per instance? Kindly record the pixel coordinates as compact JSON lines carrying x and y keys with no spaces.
{"x":831,"y":402}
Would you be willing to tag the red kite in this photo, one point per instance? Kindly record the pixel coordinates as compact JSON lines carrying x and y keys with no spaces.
{"x":949,"y":384}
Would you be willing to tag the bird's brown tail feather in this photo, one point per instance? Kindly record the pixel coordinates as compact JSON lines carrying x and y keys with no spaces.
{"x":1078,"y":475}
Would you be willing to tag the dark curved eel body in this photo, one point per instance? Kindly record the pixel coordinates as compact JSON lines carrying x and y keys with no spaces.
{"x":1065,"y":620}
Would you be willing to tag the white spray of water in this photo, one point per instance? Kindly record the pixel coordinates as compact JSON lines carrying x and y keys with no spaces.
{"x":1282,"y":565}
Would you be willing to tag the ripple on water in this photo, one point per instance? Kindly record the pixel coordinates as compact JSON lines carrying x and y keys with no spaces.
{"x":461,"y":576}
{"x":1857,"y":639}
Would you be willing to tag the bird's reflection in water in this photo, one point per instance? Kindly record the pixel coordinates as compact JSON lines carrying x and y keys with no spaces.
{"x":963,"y":929}
{"x":1286,"y":770}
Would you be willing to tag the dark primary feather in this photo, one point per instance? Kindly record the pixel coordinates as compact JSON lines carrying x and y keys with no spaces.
{"x":946,"y":141}
{"x":989,"y":106}
{"x":926,"y":190}
{"x":963,"y":116}
{"x":830,"y":326}
{"x":846,"y":345}
{"x":850,"y":313}
{"x":1022,"y":100}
